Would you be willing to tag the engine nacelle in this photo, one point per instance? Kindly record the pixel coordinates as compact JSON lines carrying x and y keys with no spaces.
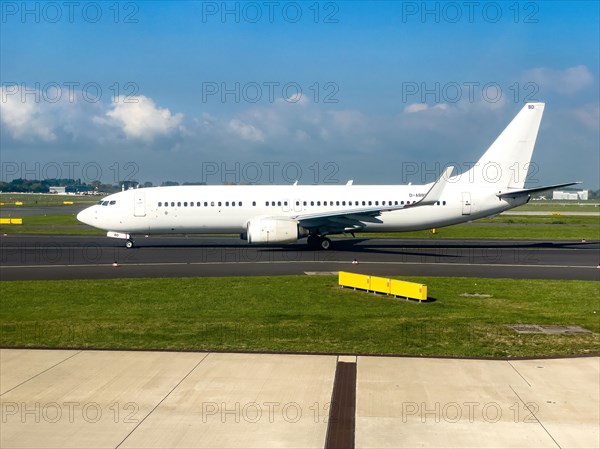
{"x":274,"y":230}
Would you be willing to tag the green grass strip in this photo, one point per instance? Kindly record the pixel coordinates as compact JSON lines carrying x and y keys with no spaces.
{"x":299,"y":314}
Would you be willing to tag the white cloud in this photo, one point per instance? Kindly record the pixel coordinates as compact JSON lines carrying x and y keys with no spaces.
{"x":415,"y":107}
{"x":140,"y":118}
{"x":245,"y":130}
{"x":24,"y":117}
{"x":588,"y":115}
{"x":567,"y":81}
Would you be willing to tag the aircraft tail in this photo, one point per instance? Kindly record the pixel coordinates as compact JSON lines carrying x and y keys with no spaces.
{"x":506,"y":162}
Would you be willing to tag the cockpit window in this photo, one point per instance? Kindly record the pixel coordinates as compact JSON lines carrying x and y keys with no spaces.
{"x":113,"y":202}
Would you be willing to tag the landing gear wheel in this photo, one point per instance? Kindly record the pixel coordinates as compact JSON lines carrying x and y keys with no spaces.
{"x":129,"y":243}
{"x":325,"y":243}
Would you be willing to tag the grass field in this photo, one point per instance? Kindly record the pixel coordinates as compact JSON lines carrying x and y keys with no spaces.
{"x":45,"y":200}
{"x":51,"y":224}
{"x":300,"y":314}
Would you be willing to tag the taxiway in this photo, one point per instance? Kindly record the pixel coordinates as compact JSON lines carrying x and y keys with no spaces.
{"x":28,"y":257}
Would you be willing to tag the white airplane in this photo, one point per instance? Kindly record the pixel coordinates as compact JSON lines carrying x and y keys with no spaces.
{"x":279,"y":214}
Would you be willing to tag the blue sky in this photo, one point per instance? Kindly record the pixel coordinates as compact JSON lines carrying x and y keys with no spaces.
{"x":267,"y":92}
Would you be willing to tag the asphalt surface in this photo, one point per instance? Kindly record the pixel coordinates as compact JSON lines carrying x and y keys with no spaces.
{"x":28,"y":257}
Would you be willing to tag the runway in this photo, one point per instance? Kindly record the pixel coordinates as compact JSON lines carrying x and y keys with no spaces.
{"x":29,"y":257}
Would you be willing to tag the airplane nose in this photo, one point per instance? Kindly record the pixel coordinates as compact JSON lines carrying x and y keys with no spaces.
{"x":86,"y":216}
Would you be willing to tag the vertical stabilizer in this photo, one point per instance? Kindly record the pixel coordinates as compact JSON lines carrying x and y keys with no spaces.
{"x":506,"y":162}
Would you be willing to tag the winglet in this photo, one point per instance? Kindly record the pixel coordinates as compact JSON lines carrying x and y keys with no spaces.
{"x":435,"y":193}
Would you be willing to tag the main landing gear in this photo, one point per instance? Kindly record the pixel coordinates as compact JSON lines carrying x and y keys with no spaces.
{"x":317,"y":242}
{"x":129,"y":243}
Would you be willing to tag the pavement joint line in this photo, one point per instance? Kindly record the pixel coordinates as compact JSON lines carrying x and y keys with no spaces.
{"x":42,"y":372}
{"x":534,"y":415}
{"x":161,"y":401}
{"x":517,"y":371}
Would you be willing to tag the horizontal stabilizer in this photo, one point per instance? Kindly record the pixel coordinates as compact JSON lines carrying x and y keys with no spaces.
{"x":525,"y":192}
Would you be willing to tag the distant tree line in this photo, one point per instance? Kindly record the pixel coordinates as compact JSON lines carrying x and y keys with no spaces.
{"x":43,"y":186}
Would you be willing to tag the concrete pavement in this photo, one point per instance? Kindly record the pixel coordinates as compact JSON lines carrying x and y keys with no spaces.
{"x":110,"y":399}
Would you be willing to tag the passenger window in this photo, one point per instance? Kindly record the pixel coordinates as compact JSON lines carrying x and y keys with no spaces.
{"x":212,"y":204}
{"x":240,"y":203}
{"x":363,"y":203}
{"x":443,"y":203}
{"x":318,"y":203}
{"x":279,"y":203}
{"x":206,"y":204}
{"x":297,"y":203}
{"x":312,"y":203}
{"x":185,"y":203}
{"x":226,"y":203}
{"x":159,"y":204}
{"x":219,"y":203}
{"x":253,"y":203}
{"x":178,"y":203}
{"x":285,"y":203}
{"x":304,"y":203}
{"x":198,"y":204}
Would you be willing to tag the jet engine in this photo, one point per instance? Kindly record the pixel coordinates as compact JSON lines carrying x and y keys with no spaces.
{"x":274,"y":230}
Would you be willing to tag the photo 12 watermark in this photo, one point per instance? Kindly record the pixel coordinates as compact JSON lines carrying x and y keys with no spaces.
{"x":86,"y":172}
{"x":469,"y":12}
{"x":270,"y":12}
{"x":269,"y":92}
{"x":27,"y":12}
{"x":490,"y":172}
{"x":69,"y":92}
{"x":269,"y":172}
{"x":266,"y":412}
{"x":70,"y":412}
{"x":468,"y":91}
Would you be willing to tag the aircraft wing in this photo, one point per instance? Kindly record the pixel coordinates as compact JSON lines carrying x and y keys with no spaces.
{"x":356,"y":218}
{"x":525,"y":192}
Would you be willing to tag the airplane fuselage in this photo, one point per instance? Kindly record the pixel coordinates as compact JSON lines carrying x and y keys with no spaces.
{"x":227,"y":209}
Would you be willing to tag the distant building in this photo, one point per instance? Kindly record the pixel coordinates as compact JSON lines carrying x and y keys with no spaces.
{"x":570,"y":195}
{"x":59,"y":190}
